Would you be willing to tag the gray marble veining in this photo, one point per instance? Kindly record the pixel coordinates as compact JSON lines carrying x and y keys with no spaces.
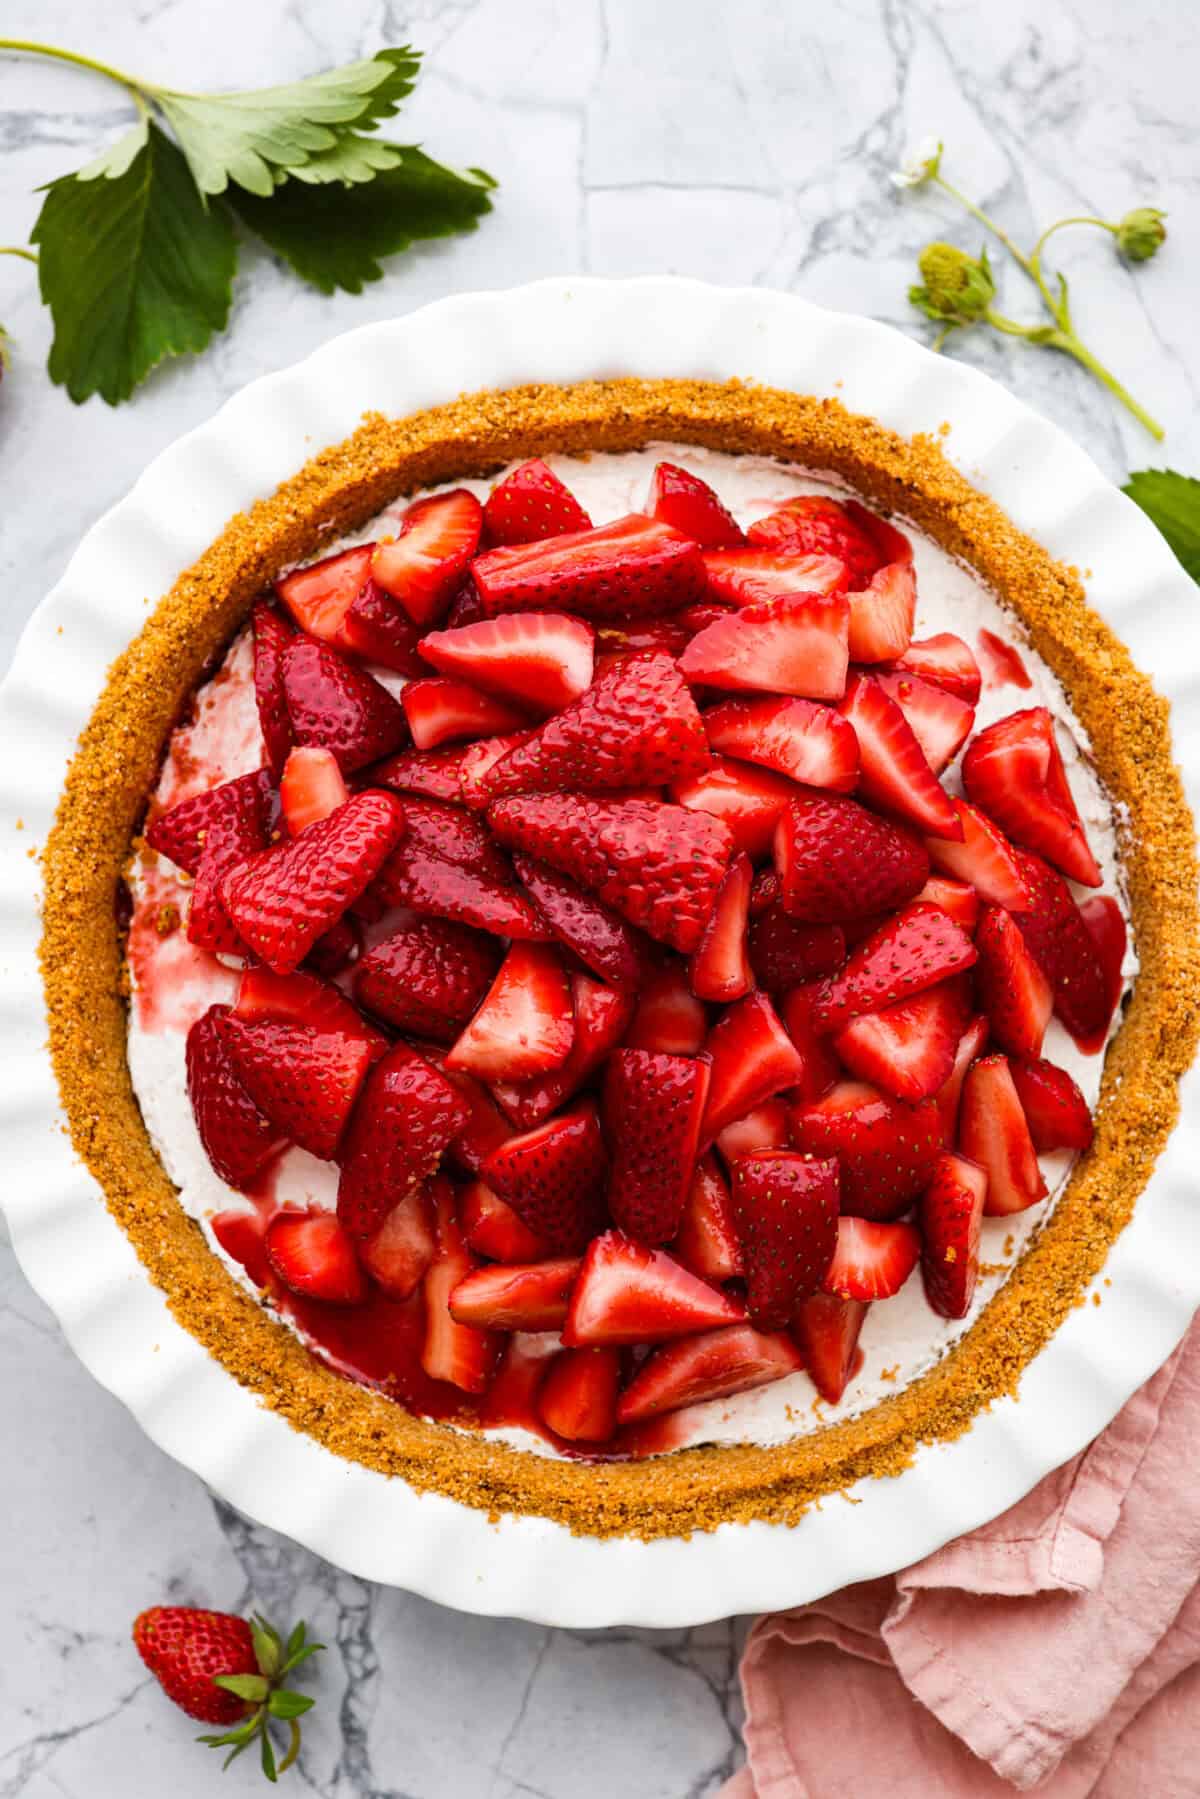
{"x":745,"y":142}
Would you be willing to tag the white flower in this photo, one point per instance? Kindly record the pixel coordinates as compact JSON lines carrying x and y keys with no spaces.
{"x":920,"y":165}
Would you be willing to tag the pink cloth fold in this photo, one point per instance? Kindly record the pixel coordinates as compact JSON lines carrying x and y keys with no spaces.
{"x":1056,"y":1649}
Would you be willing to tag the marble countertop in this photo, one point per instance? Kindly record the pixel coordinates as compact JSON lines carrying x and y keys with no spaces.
{"x":744,"y":142}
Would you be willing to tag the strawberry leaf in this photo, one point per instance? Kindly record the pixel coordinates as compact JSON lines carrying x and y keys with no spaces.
{"x":254,"y":1687}
{"x":133,"y":268}
{"x":1172,"y":502}
{"x":268,"y":1756}
{"x":283,"y":1704}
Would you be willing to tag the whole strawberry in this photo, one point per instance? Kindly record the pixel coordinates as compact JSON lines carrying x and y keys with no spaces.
{"x":226,"y":1670}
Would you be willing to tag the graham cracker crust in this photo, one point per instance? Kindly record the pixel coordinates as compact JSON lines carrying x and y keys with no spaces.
{"x":115,"y":767}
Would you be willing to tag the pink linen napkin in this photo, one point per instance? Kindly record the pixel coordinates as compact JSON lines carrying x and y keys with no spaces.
{"x":1057,"y":1648}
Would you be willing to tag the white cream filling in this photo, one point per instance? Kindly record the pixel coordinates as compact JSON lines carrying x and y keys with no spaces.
{"x":902,"y":1336}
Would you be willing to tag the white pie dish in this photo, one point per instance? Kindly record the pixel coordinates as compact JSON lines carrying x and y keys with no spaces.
{"x":75,"y":1253}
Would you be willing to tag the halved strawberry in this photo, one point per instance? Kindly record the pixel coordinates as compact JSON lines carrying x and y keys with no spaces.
{"x":720,"y":968}
{"x":757,"y":576}
{"x":526,"y":1024}
{"x":553,"y":1178}
{"x":432,"y":885}
{"x":478,"y":759}
{"x":271,"y":639}
{"x":306,"y":1081}
{"x":512,"y":1395}
{"x":795,"y":645}
{"x":950,"y":1216}
{"x":658,"y":866}
{"x":441,"y":711}
{"x":820,"y":1067}
{"x":916,"y":948}
{"x":601,"y":939}
{"x":601,"y":1018}
{"x":578,"y":1398}
{"x":941,"y":722}
{"x":424,"y":566}
{"x":786,"y":1209}
{"x":459,"y":1353}
{"x":1105,"y":925}
{"x":882,"y":613}
{"x":907,"y":1049}
{"x":837,"y":861}
{"x":629,"y":1293}
{"x":313,"y":1256}
{"x":957,"y":899}
{"x":427,"y":977}
{"x":817,"y":525}
{"x":512,"y":1297}
{"x":531,"y":503}
{"x":1014,"y":771}
{"x":748,"y":800}
{"x":337,"y":950}
{"x":984,"y":857}
{"x":669,"y":1018}
{"x":767,"y":1127}
{"x":283,"y":899}
{"x":616,"y":642}
{"x":431,"y":774}
{"x":492,"y":1229}
{"x":319,"y":596}
{"x":452,"y":833}
{"x":397,"y":1255}
{"x":636,"y":726}
{"x":1055,"y":1109}
{"x":653,"y":1105}
{"x":945,"y":661}
{"x":303,"y":998}
{"x":714,"y":1365}
{"x":872,"y":1261}
{"x":894,"y":773}
{"x":1086,"y":989}
{"x":633,"y":568}
{"x":798,"y":738}
{"x":885,"y":1147}
{"x":752,"y":1057}
{"x":486,"y":1129}
{"x":405,"y":1118}
{"x":993,"y":1132}
{"x":1003,"y":664}
{"x":339,"y":707}
{"x":538,"y":661}
{"x":706,"y":1241}
{"x":690,"y":505}
{"x":785,"y":951}
{"x":230,"y":821}
{"x":380,"y":631}
{"x":827,"y":1329}
{"x":311,"y":788}
{"x":1013,"y":991}
{"x":946,"y":1099}
{"x":238,"y":1138}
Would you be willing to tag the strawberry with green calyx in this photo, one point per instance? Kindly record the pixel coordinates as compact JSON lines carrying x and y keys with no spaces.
{"x":227,"y":1670}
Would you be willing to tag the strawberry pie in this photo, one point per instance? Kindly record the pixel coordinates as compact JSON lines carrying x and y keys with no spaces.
{"x":621,"y":952}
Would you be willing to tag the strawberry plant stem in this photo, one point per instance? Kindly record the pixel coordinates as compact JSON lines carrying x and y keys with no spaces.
{"x":18,"y":250}
{"x":26,"y":48}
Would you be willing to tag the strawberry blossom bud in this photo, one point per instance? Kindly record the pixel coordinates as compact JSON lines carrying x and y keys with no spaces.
{"x":957,"y":288}
{"x":1140,"y":233}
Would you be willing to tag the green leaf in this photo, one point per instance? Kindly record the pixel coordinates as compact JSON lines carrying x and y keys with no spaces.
{"x":244,"y":1686}
{"x":296,"y":1640}
{"x":349,"y":159}
{"x":247,"y":137}
{"x":299,"y":1655}
{"x":133,"y":269}
{"x":268,"y":1650}
{"x":268,"y":1755}
{"x":283,"y":1704}
{"x":334,"y":237}
{"x":1172,"y":502}
{"x":116,"y":159}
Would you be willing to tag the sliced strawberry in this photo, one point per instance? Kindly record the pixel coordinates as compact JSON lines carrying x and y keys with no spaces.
{"x":689,"y":504}
{"x":753,"y":1058}
{"x":380,"y":631}
{"x":885,"y":1147}
{"x":757,"y":576}
{"x":748,"y":800}
{"x":816,"y":525}
{"x":820,"y":1067}
{"x":984,"y":857}
{"x":512,"y":1395}
{"x":492,"y":1229}
{"x":282,"y":900}
{"x":907,"y":1049}
{"x":526,"y":1024}
{"x":1056,"y":930}
{"x":872,"y":1261}
{"x":720,"y":968}
{"x":637,"y":725}
{"x":957,"y":899}
{"x":339,"y":948}
{"x":629,"y":1293}
{"x":894,"y":773}
{"x":478,"y":759}
{"x":553,"y":1178}
{"x":784,"y":951}
{"x":945,"y":661}
{"x":715,"y":1365}
{"x":827,"y":1330}
{"x":238,"y":1138}
{"x":406,"y":1117}
{"x":786,"y":1210}
{"x":313,"y":1256}
{"x":1002,"y":662}
{"x":993,"y":1132}
{"x":532,"y":1297}
{"x":452,"y":833}
{"x":941,"y":723}
{"x":614,"y":643}
{"x":271,"y":639}
{"x":633,"y":568}
{"x":837,"y":861}
{"x":882,"y":614}
{"x":706,"y":1241}
{"x":794,"y":645}
{"x":798,"y":738}
{"x":400,"y":1251}
{"x":424,"y":566}
{"x":537,"y":661}
{"x":767,"y":1127}
{"x":432,"y":774}
{"x":1055,"y":1109}
{"x":339,"y":707}
{"x":302,"y":998}
{"x":1014,"y":771}
{"x":319,"y":596}
{"x":669,"y":1018}
{"x":311,"y":788}
{"x":915,"y":949}
{"x":1105,"y":924}
{"x":486,"y":1129}
{"x":306,"y":1081}
{"x":578,"y":1398}
{"x":459,"y":1353}
{"x":950,"y":1217}
{"x":465,"y":608}
{"x":441,"y":711}
{"x":430,"y":884}
{"x":659,"y":866}
{"x":602,"y":940}
{"x":531,"y":503}
{"x":601,"y":1018}
{"x":970,"y":1045}
{"x":428,"y":977}
{"x":1013,"y":991}
{"x":237,"y":813}
{"x":653,"y":1105}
